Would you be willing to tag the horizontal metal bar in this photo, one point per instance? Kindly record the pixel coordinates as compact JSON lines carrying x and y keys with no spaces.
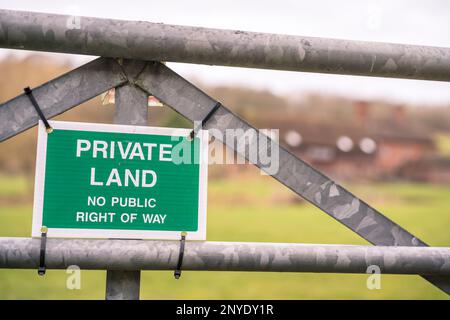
{"x":160,"y":42}
{"x":294,"y":173}
{"x":223,"y":256}
{"x":60,"y":94}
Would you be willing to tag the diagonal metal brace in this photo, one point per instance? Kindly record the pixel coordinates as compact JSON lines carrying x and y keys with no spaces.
{"x":60,"y":94}
{"x":294,"y":173}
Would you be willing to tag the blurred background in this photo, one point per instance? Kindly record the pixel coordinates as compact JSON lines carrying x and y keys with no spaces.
{"x":387,"y":140}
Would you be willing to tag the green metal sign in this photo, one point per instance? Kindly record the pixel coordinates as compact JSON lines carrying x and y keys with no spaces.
{"x":116,"y":181}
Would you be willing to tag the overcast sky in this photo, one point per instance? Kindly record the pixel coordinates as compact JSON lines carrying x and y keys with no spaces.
{"x":402,"y":21}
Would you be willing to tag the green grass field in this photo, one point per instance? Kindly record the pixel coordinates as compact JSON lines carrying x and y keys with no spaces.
{"x":251,"y":209}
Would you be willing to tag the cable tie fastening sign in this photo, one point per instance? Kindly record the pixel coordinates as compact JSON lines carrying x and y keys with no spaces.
{"x":41,"y":269}
{"x":177,"y":273}
{"x":30,"y":95}
{"x":207,"y":117}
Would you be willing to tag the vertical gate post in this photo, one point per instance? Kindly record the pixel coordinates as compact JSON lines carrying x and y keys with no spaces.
{"x":130,"y":108}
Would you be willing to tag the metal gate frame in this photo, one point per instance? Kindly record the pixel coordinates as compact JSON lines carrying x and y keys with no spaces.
{"x":136,"y":79}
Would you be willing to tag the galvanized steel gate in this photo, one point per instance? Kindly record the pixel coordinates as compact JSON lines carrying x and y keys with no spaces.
{"x":131,"y":51}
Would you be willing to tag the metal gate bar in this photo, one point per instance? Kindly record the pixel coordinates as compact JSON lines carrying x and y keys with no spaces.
{"x":155,"y":41}
{"x":130,"y":255}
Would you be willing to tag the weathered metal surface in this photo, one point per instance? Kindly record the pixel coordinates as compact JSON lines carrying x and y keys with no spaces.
{"x":60,"y":95}
{"x":160,"y":42}
{"x":131,"y":102}
{"x":294,"y":173}
{"x":123,"y":285}
{"x":131,"y":108}
{"x":224,"y":256}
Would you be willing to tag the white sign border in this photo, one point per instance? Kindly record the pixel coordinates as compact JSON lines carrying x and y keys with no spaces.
{"x":39,"y":186}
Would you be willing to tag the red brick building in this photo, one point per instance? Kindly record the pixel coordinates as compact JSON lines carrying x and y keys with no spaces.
{"x":360,"y":150}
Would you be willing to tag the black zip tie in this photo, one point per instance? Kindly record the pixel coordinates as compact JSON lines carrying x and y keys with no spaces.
{"x":41,"y":270}
{"x":29,"y":93}
{"x":177,"y":273}
{"x":208,"y":116}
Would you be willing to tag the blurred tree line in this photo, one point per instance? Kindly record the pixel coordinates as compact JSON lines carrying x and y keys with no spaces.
{"x":17,"y":155}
